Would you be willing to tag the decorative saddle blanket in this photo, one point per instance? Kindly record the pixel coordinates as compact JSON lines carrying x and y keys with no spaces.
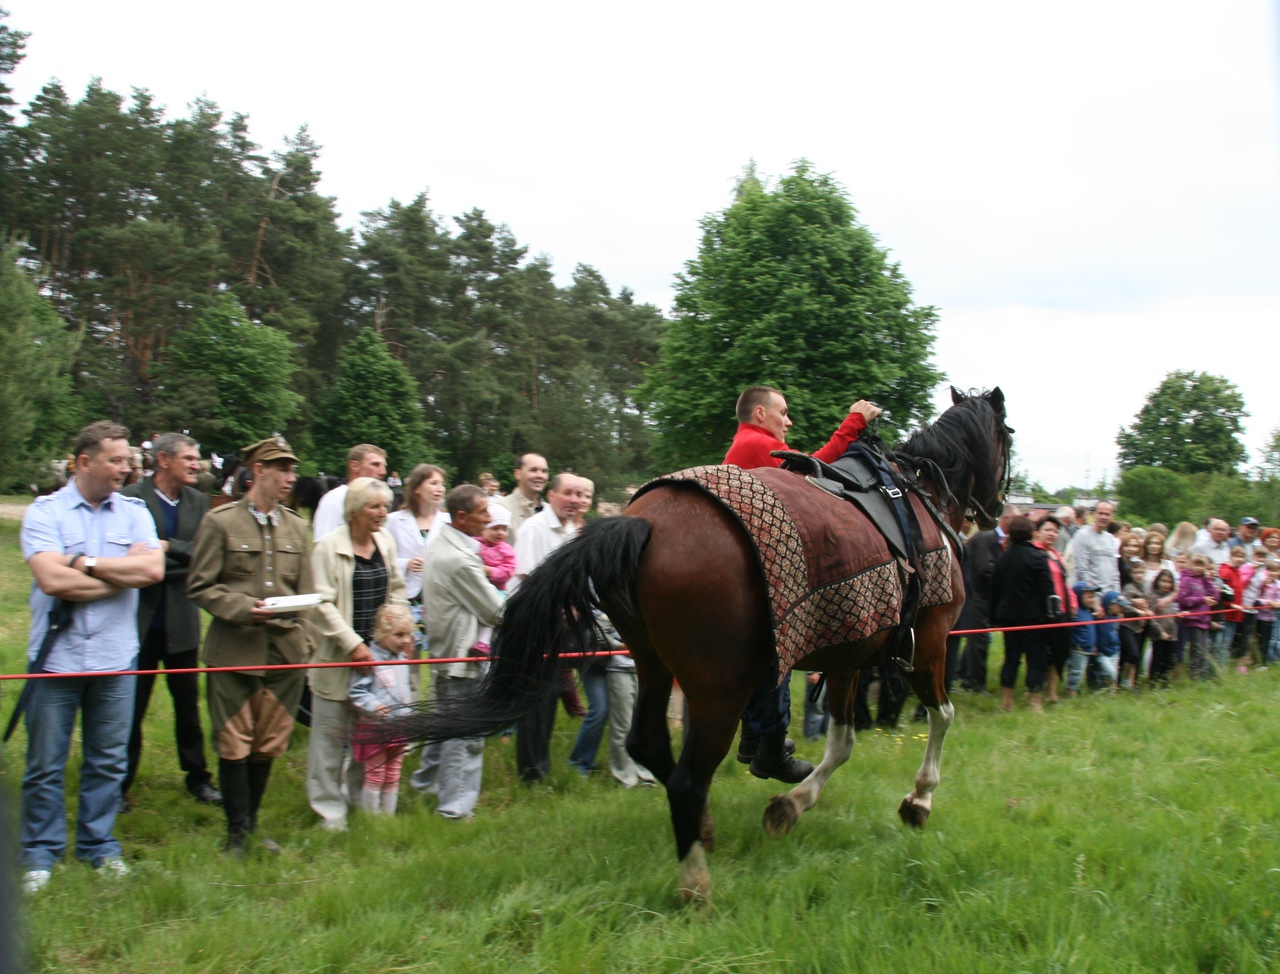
{"x":829,"y":573}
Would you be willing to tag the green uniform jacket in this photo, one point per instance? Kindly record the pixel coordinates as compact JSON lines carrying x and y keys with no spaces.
{"x":235,"y":563}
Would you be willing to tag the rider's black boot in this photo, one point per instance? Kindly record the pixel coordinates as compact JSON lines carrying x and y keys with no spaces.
{"x":773,"y":761}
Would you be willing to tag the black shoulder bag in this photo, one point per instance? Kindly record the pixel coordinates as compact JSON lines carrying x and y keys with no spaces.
{"x":59,"y":620}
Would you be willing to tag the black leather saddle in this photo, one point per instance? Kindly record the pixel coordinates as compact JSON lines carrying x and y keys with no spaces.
{"x":858,"y":478}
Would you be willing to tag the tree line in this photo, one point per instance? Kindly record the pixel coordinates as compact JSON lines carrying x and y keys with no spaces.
{"x":167,"y":273}
{"x":201,"y":283}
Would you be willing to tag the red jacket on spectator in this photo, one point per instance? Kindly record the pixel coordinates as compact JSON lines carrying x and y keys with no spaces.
{"x":752,"y":444}
{"x":1237,"y":578}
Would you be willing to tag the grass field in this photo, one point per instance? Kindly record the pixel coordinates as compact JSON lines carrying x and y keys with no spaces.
{"x":1111,"y":834}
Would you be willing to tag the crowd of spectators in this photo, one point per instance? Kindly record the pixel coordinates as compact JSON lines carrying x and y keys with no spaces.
{"x":123,"y":560}
{"x":128,"y":551}
{"x":1150,"y":605}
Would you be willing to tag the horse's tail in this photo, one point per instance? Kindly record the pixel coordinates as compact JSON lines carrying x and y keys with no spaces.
{"x":550,"y":614}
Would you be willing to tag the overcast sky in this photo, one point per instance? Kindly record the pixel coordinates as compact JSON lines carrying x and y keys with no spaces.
{"x":1089,"y":193}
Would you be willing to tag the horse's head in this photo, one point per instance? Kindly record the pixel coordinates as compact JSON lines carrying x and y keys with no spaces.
{"x":986,"y":496}
{"x":965,"y":455}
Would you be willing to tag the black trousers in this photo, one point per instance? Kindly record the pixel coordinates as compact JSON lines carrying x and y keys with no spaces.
{"x":768,"y":712}
{"x":973,"y":662}
{"x":1035,"y":647}
{"x":184,"y":688}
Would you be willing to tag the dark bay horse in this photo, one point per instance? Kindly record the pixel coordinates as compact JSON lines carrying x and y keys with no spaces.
{"x":679,"y":577}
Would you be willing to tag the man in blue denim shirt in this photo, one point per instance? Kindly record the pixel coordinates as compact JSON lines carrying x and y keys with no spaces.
{"x":94,"y":547}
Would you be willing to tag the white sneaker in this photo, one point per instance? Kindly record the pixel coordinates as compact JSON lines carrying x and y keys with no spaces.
{"x":113,"y":866}
{"x":34,"y":880}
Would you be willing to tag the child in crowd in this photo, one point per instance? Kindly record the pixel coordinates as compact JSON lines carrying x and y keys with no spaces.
{"x":499,"y":557}
{"x":1268,"y":603}
{"x":499,"y":562}
{"x":1198,"y":594}
{"x":1163,"y":632}
{"x":1134,"y":627}
{"x":1234,"y":574}
{"x":1108,"y":659}
{"x":380,"y":693}
{"x":1084,"y":639}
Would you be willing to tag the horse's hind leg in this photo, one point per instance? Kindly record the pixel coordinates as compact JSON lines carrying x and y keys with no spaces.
{"x":783,"y":811}
{"x":707,"y":740}
{"x":929,"y":683}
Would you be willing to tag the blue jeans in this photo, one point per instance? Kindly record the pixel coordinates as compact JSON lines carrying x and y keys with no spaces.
{"x":1222,"y":643}
{"x":817,"y":717}
{"x":595,"y":681}
{"x":106,"y":706}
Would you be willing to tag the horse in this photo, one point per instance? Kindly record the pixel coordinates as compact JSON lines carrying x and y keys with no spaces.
{"x":680,"y":579}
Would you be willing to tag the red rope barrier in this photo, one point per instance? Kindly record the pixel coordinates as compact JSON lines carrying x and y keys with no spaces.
{"x":285,"y":666}
{"x":486,"y":659}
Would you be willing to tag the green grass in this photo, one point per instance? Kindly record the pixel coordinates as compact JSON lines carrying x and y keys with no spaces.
{"x":1111,"y":834}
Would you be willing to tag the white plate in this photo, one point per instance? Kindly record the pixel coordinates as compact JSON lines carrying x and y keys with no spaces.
{"x":291,"y":603}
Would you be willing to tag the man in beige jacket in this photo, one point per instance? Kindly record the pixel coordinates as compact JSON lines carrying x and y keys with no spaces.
{"x":244,"y":554}
{"x":457,"y":599}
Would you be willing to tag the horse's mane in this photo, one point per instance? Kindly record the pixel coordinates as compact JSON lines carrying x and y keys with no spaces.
{"x":959,"y":446}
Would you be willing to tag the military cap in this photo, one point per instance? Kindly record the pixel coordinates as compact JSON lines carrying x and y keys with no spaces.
{"x":264,"y":451}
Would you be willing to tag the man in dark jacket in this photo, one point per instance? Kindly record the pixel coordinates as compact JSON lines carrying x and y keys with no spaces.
{"x":980,"y":557}
{"x":168,"y":621}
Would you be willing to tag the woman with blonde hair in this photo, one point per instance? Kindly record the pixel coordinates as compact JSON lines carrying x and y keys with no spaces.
{"x":355,"y":573}
{"x":1182,"y":540}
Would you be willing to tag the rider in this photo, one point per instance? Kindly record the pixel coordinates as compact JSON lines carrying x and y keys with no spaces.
{"x":762,"y":427}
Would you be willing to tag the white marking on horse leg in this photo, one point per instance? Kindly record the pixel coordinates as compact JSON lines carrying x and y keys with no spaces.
{"x":695,"y":879}
{"x":840,"y":741}
{"x":930,"y":772}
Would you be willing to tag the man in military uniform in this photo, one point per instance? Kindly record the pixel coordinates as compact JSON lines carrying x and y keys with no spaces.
{"x":244,"y":554}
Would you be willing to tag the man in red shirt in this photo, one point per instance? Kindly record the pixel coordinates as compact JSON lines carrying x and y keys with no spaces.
{"x":763,"y":423}
{"x":762,"y":427}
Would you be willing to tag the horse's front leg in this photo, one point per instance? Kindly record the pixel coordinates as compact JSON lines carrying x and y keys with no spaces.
{"x":929,"y":686}
{"x":783,"y":811}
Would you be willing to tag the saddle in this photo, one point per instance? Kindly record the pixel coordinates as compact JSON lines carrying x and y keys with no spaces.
{"x":864,"y":478}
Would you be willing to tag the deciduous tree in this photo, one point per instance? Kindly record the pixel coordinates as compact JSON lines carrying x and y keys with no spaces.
{"x":789,"y":289}
{"x":230,"y":379}
{"x":1191,"y":423}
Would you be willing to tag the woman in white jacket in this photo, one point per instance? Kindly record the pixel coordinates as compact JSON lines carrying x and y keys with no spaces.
{"x":416,"y":526}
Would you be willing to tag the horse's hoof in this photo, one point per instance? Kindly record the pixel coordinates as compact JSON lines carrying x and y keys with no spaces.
{"x":913,"y":814}
{"x":695,"y":879}
{"x":696,"y":894}
{"x":780,"y":815}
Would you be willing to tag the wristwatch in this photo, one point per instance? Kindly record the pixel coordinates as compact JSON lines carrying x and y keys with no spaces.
{"x":90,"y":563}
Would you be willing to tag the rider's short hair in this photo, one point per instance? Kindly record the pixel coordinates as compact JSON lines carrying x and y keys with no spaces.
{"x":751,"y":398}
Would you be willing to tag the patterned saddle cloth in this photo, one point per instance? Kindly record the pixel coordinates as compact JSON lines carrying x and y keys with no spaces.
{"x":830,"y":576}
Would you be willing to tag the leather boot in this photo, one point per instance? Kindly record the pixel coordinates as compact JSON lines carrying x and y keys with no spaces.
{"x":750,"y":744}
{"x":773,"y":761}
{"x":233,"y":779}
{"x":259,"y":773}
